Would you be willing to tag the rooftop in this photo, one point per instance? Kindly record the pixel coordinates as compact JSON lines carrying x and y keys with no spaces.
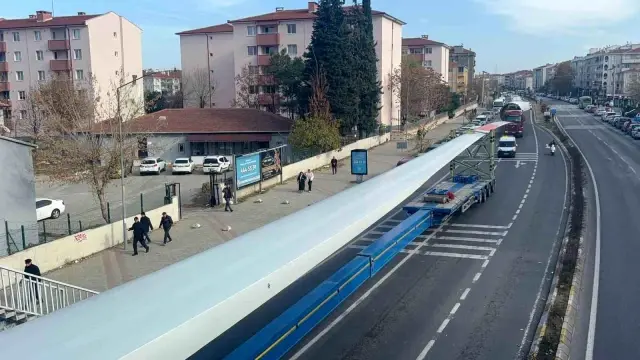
{"x":46,"y":19}
{"x":221,"y":28}
{"x":422,"y":41}
{"x":209,"y":120}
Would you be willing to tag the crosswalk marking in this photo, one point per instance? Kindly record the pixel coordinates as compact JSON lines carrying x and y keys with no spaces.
{"x":465,"y":247}
{"x":456,"y":255}
{"x":456,"y":238}
{"x":474,"y":232}
{"x":480,"y":226}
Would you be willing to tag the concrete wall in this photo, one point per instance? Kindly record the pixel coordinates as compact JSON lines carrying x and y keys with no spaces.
{"x":52,"y":255}
{"x":18,"y":193}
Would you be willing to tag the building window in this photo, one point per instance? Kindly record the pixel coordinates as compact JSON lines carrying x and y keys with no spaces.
{"x":19,"y":75}
{"x":415,"y":51}
{"x":39,"y":55}
{"x":426,"y":63}
{"x":254,"y":70}
{"x":181,"y":148}
{"x":251,"y":31}
{"x":115,"y":34}
{"x":428,"y":50}
{"x":17,"y":56}
{"x":292,"y":49}
{"x":16,"y":36}
{"x":1,"y":36}
{"x":37,"y":35}
{"x":22,"y":95}
{"x":134,"y":78}
{"x":252,"y":50}
{"x":253,"y":89}
{"x":77,"y":54}
{"x":41,"y":75}
{"x":116,"y":54}
{"x":460,"y":69}
{"x":79,"y":75}
{"x":22,"y":114}
{"x":75,"y":34}
{"x":291,"y":28}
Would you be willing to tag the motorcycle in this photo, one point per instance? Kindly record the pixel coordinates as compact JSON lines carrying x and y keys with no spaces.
{"x":553,"y":149}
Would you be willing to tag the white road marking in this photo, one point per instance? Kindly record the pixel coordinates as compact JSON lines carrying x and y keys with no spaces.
{"x":473,"y":232}
{"x":499,"y":242}
{"x":463,"y":247}
{"x":510,"y":225}
{"x":443,"y":325}
{"x":477,"y":277}
{"x":480,"y":226}
{"x":456,"y":255}
{"x":465,"y":293}
{"x":485,"y":263}
{"x":456,"y":238}
{"x":424,"y":351}
{"x":514,"y":217}
{"x":455,"y":308}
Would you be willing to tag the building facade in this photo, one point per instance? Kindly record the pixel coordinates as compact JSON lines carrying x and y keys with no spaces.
{"x":431,"y":54}
{"x":458,"y":79}
{"x":223,"y":51}
{"x":538,"y":79}
{"x":106,"y":48}
{"x":166,"y":82}
{"x":466,"y":58}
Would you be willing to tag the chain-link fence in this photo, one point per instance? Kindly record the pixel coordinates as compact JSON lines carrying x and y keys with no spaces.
{"x":16,"y":236}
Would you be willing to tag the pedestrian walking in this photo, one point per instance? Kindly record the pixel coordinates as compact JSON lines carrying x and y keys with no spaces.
{"x":310,"y":178}
{"x":302,"y":179}
{"x":227,"y":195}
{"x":33,"y":269}
{"x":138,"y":235}
{"x":334,"y":165}
{"x":165,"y":223}
{"x":146,"y":222}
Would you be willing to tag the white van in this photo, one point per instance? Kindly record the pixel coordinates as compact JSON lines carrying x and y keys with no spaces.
{"x":216,"y":164}
{"x":507,"y":147}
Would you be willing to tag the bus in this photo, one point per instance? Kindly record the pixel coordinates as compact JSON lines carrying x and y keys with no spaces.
{"x":498,"y":104}
{"x":584,"y":101}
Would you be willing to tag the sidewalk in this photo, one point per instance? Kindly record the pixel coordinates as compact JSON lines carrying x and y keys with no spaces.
{"x":115,"y":266}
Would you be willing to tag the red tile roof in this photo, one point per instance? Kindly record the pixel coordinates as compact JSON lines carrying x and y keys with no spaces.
{"x":421,"y":42}
{"x":54,"y":22}
{"x":295,"y":14}
{"x":221,"y":28}
{"x":208,"y":121}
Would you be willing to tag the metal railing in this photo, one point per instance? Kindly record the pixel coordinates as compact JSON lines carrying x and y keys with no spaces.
{"x":34,"y":295}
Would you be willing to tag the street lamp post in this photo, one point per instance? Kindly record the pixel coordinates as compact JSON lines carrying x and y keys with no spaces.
{"x":121,"y":140}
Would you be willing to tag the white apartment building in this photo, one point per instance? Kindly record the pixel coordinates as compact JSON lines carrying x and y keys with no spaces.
{"x":224,"y":50}
{"x":606,"y":72}
{"x":431,"y":54}
{"x":162,"y":81}
{"x":107,"y":47}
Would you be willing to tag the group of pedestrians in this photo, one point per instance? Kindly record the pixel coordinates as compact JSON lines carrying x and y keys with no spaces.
{"x":141,"y":227}
{"x":305,"y":178}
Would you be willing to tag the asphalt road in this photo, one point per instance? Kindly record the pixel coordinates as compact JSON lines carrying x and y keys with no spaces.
{"x":473,"y":290}
{"x":615,"y":160}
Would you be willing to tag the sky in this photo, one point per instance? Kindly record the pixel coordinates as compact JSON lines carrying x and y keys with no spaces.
{"x":507,"y":35}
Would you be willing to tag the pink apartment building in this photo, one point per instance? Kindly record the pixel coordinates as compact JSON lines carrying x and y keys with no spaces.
{"x":105,"y":46}
{"x":225,"y":49}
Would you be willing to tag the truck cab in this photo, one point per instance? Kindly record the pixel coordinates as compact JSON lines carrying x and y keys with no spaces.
{"x":515,"y":119}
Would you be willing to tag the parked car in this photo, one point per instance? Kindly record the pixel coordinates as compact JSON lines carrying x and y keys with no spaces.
{"x":599,"y":112}
{"x":182,"y":166}
{"x":215,"y":164}
{"x":480,"y":120}
{"x":608,"y":114}
{"x":633,"y":127}
{"x":636,"y":133}
{"x":152,"y":165}
{"x":48,"y":208}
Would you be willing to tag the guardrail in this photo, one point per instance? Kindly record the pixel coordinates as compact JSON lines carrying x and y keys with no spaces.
{"x":36,"y":295}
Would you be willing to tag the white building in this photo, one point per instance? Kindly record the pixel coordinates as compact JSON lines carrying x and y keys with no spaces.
{"x":107,"y":47}
{"x":162,"y":81}
{"x":224,"y":50}
{"x":429,"y":53}
{"x":606,"y":72}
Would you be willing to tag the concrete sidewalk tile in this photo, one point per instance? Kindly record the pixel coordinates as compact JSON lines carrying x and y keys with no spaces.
{"x":116,"y":266}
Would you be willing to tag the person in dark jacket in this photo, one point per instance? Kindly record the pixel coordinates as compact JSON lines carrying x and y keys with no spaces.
{"x":227,"y":195}
{"x":138,"y":235}
{"x":146,"y":222}
{"x":33,"y":269}
{"x":165,"y":223}
{"x":302,"y":179}
{"x":334,"y":165}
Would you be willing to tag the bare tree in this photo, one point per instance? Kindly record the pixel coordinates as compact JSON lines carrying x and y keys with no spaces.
{"x":73,"y":146}
{"x":246,"y":89}
{"x":198,"y":87}
{"x":633,"y":89}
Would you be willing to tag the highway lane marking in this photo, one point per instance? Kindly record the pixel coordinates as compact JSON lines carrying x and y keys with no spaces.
{"x":473,"y":232}
{"x":456,"y":255}
{"x":485,"y":263}
{"x":593,"y":313}
{"x":443,"y":325}
{"x":463,"y":247}
{"x":465,"y":293}
{"x":457,"y":238}
{"x":477,"y":277}
{"x":480,"y":226}
{"x":455,"y":308}
{"x":424,"y":352}
{"x":510,"y":225}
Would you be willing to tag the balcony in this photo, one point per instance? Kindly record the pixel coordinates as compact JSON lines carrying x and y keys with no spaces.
{"x":268,"y":99}
{"x":268,"y":39}
{"x":5,"y":103}
{"x":265,"y":80}
{"x":57,"y":45}
{"x":5,"y":86}
{"x":60,"y":65}
{"x":264,"y":60}
{"x":4,"y":66}
{"x":3,"y":46}
{"x":415,"y":57}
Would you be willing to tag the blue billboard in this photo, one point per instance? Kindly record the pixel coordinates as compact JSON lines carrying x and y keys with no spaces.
{"x":359,"y":163}
{"x":247,"y":170}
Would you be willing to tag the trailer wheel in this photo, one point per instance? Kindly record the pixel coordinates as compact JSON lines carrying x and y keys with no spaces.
{"x":492,"y":187}
{"x":482,"y":197}
{"x":486,"y":190}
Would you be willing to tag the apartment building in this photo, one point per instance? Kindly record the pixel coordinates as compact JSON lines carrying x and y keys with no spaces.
{"x":431,"y":54}
{"x":223,"y":51}
{"x":466,"y":58}
{"x":458,"y":78}
{"x":163,"y":81}
{"x":106,"y":47}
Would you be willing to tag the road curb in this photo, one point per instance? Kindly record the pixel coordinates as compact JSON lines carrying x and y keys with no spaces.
{"x":570,"y":317}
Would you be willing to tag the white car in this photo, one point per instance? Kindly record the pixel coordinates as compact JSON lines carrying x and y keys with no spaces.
{"x":488,"y":114}
{"x":49,"y":208}
{"x":215,"y":164}
{"x":152,"y":165}
{"x":480,"y":120}
{"x":182,"y":166}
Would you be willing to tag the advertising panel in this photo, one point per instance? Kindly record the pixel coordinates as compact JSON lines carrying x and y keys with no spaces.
{"x":247,"y":170}
{"x":359,"y":163}
{"x":270,"y":163}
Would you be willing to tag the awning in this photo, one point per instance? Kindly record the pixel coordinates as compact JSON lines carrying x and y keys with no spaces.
{"x":228,"y":137}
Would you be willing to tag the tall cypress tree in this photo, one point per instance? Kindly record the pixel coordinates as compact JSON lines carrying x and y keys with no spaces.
{"x":329,"y":53}
{"x":371,"y":87}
